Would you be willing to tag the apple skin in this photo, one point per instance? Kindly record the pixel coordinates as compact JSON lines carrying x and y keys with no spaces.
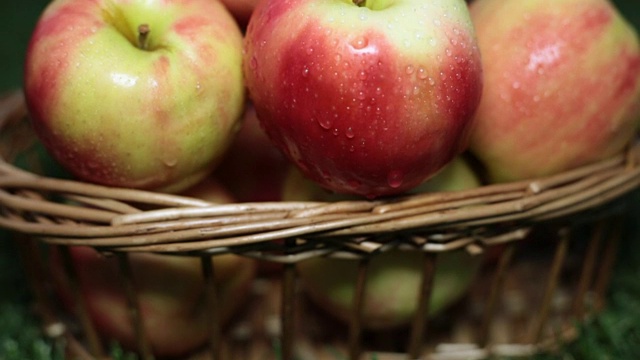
{"x":364,"y":101}
{"x":118,"y":115}
{"x":561,"y":89}
{"x":393,"y":277}
{"x":241,"y":10}
{"x":253,"y":169}
{"x":170,"y":291}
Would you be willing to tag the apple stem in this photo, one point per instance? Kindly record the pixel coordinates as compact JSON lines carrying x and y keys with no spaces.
{"x":143,"y":36}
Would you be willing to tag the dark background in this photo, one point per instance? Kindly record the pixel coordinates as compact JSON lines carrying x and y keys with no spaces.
{"x":17,"y":19}
{"x":615,"y":334}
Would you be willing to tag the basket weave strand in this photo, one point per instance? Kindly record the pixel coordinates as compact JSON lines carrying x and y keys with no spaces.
{"x":136,"y":220}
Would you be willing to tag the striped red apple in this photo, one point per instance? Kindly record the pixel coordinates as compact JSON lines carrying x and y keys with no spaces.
{"x":562,"y":85}
{"x":365,"y":97}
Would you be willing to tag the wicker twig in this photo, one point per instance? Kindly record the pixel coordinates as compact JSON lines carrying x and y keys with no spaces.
{"x":111,"y":217}
{"x":69,"y":212}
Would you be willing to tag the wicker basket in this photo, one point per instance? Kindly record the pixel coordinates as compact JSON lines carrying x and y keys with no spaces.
{"x":121,"y":221}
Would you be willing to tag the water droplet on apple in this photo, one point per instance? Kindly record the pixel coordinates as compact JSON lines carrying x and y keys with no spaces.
{"x":363,"y":75}
{"x":325,"y":123}
{"x":359,"y":43}
{"x":516,"y":85}
{"x":253,"y":63}
{"x":432,"y":82}
{"x":361,"y":95}
{"x":422,"y":73}
{"x":309,"y":50}
{"x":170,"y":162}
{"x":409,"y":70}
{"x":395,"y":178}
{"x":349,"y":133}
{"x":305,"y":72}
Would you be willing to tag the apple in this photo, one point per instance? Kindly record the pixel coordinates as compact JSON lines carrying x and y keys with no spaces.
{"x":136,"y":93}
{"x":561,"y":89}
{"x":393,"y":277}
{"x":253,"y":169}
{"x":370,"y":98}
{"x":241,"y":10}
{"x":170,"y":290}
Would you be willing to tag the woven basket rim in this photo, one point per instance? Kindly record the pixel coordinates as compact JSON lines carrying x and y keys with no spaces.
{"x":112,"y":218}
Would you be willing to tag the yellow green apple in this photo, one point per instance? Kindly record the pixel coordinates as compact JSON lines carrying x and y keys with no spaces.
{"x":136,"y":93}
{"x":393,"y":277}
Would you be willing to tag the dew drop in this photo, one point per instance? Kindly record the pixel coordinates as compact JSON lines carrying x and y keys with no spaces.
{"x":336,"y":132}
{"x":349,"y":133}
{"x":325,"y":123}
{"x":395,"y":179}
{"x":253,"y":63}
{"x":305,"y":72}
{"x":170,"y":162}
{"x":359,"y":43}
{"x":422,"y":74}
{"x":409,"y":70}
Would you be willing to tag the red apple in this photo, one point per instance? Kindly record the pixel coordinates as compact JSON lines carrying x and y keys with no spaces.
{"x":136,"y":93}
{"x":170,"y":291}
{"x":393,"y":277}
{"x":562,"y":85}
{"x":368,"y":99}
{"x":253,"y":169}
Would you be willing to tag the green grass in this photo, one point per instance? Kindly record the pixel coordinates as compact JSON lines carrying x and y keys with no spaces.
{"x":614,"y":334}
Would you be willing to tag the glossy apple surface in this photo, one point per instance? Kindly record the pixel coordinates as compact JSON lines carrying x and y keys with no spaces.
{"x":562,"y":85}
{"x":393,"y":277}
{"x":117,"y":108}
{"x":368,"y":100}
{"x":253,"y":169}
